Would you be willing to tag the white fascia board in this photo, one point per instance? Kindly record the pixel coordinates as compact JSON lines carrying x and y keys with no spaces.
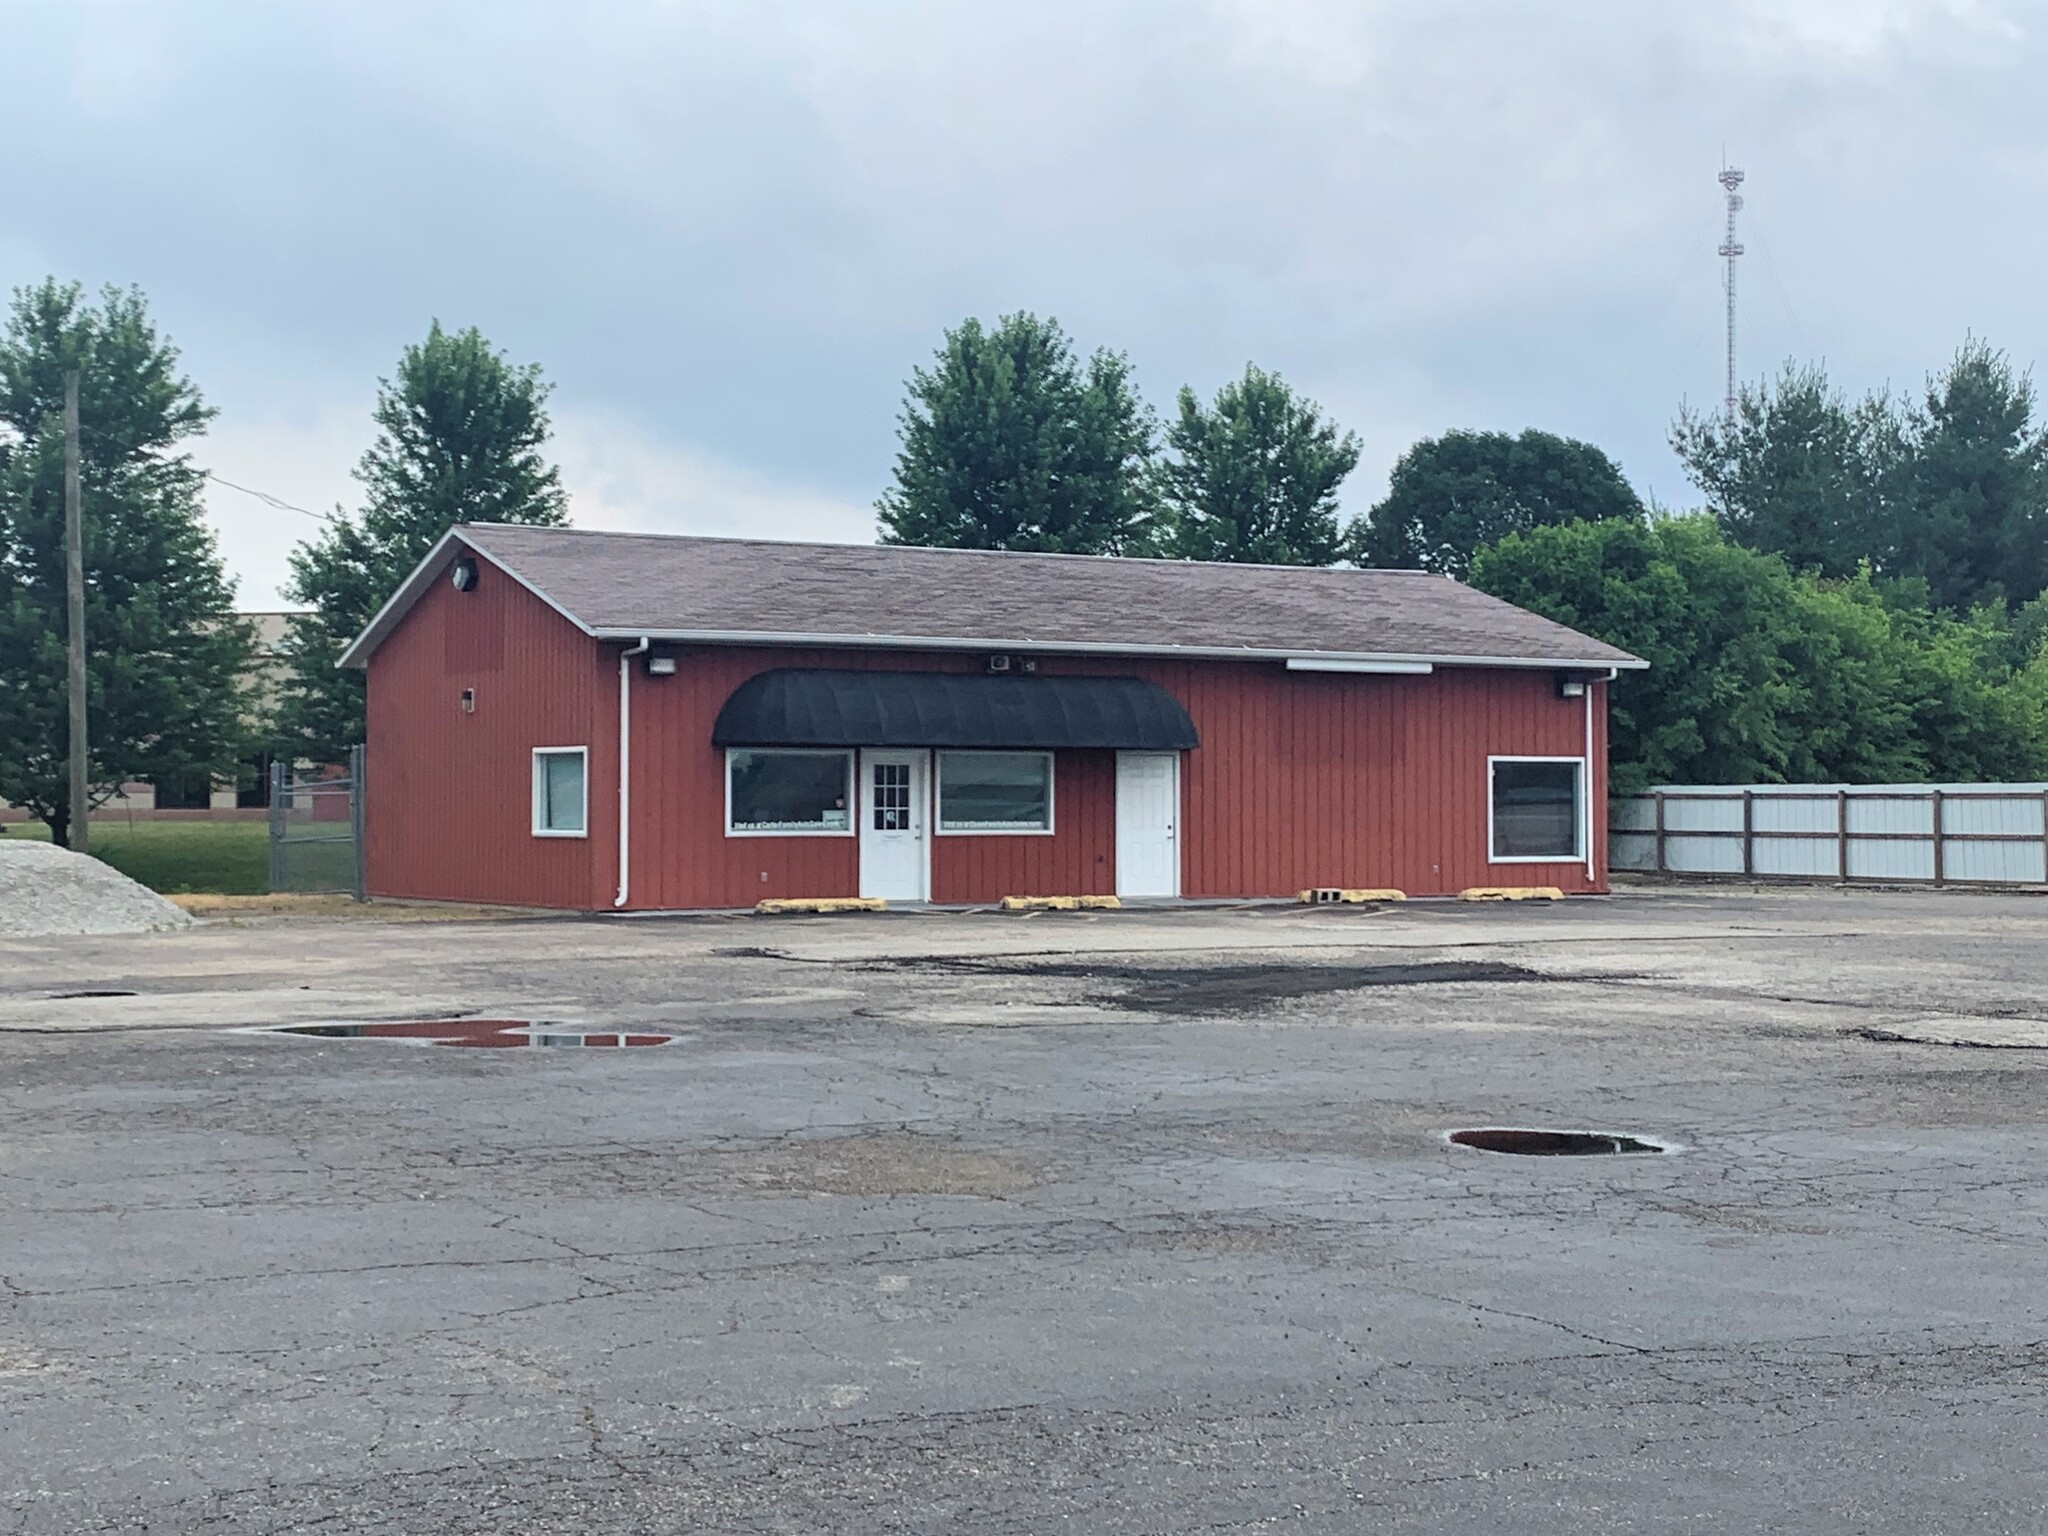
{"x":1340,"y":664}
{"x":414,"y":587}
{"x":1092,"y":648}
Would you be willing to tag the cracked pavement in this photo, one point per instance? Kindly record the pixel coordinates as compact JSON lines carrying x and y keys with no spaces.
{"x":1134,"y":1222}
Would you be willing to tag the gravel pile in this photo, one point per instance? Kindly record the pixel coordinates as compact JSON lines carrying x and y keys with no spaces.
{"x":46,"y":891}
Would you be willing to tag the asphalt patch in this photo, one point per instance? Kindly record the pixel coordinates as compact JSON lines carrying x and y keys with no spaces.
{"x":1980,"y":1034}
{"x":881,"y":1165}
{"x":1190,"y":991}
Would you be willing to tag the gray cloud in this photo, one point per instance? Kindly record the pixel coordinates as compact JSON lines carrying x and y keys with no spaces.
{"x":729,"y":229}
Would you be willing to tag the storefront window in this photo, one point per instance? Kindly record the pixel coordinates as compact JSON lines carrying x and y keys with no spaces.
{"x":789,"y":792}
{"x":995,"y":791}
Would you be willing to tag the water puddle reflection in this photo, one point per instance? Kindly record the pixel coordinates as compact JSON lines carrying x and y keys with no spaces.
{"x":485,"y":1034}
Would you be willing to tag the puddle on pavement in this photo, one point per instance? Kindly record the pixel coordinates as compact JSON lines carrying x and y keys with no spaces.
{"x":1518,"y":1142}
{"x":486,"y":1034}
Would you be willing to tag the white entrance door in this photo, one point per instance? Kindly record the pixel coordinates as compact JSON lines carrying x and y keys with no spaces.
{"x":893,"y":847}
{"x":1147,"y":814}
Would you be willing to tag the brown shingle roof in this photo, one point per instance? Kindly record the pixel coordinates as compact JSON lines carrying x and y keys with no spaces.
{"x":624,"y":585}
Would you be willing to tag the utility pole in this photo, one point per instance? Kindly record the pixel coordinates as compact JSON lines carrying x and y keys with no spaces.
{"x":74,"y":597}
{"x":1730,"y":179}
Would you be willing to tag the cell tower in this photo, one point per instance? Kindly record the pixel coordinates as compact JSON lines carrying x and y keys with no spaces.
{"x":1731,"y":248}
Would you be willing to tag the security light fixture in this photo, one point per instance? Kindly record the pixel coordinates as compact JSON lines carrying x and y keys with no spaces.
{"x":661,"y":663}
{"x":1571,"y":685}
{"x":463,"y":574}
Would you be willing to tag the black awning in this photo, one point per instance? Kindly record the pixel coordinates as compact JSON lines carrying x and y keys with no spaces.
{"x":801,"y":707}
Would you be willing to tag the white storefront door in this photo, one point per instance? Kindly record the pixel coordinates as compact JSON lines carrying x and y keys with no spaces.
{"x":894,"y":850}
{"x":1147,"y":815}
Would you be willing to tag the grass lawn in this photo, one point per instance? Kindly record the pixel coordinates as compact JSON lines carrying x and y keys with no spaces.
{"x":227,"y":858}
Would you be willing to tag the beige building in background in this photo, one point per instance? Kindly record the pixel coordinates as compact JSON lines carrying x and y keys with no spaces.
{"x":262,"y":685}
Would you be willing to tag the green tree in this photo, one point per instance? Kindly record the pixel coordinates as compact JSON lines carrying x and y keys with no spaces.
{"x":1254,"y":476}
{"x":1972,"y":717}
{"x":1800,"y":472}
{"x":1852,"y":718}
{"x":1972,"y":502}
{"x":1758,"y":676}
{"x":460,"y":437}
{"x":1712,"y":620}
{"x":1010,"y":442}
{"x":1452,"y":494}
{"x":164,"y":651}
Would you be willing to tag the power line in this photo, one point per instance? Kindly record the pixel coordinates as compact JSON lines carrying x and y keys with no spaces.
{"x":1784,"y":294}
{"x":247,"y":490}
{"x":269,"y":500}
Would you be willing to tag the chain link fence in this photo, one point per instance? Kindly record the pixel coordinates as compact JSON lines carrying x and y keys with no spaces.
{"x":316,"y":828}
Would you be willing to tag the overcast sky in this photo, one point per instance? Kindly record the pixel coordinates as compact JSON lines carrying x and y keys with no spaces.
{"x":728,"y":231}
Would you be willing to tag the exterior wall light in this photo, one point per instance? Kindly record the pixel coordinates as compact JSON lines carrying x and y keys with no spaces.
{"x":463,"y":574}
{"x":661,"y":663}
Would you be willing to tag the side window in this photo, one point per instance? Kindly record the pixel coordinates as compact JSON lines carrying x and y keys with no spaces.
{"x":560,"y":791}
{"x":1536,"y":811}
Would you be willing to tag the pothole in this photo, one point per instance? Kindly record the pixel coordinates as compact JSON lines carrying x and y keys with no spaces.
{"x":1516,"y":1141}
{"x":487,"y":1034}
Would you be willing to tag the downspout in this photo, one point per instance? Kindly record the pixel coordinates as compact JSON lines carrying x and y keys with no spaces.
{"x":1612,"y":673}
{"x":626,"y":763}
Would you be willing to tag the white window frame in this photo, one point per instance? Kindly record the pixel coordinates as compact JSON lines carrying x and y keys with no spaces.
{"x":1579,"y":827}
{"x":540,"y":792}
{"x":852,"y":828}
{"x":1052,"y":799}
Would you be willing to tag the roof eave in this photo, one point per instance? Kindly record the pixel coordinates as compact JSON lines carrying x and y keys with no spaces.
{"x":1619,"y":662}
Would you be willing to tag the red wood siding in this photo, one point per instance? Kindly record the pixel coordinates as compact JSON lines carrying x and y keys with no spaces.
{"x":1079,"y":859}
{"x":1305,"y":779}
{"x":450,"y":795}
{"x":1301,"y":779}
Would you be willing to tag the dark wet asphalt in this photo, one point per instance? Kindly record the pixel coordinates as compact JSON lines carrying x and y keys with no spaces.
{"x":1143,"y":1223}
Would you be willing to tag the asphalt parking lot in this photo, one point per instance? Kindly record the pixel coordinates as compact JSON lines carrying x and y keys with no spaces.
{"x":1122,"y":1222}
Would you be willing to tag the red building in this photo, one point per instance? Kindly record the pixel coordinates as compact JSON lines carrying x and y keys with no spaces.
{"x":601,"y":720}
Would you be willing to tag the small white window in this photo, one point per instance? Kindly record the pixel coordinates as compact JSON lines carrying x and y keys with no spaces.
{"x":984,"y":792}
{"x":788,"y":794}
{"x":1536,"y":810}
{"x":560,"y":791}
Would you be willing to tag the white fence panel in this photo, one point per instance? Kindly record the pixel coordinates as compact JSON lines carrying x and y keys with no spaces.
{"x":1800,"y":835}
{"x":1635,"y":852}
{"x":2016,"y":822}
{"x":1716,"y":847}
{"x":1891,"y":838}
{"x":1992,"y":833}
